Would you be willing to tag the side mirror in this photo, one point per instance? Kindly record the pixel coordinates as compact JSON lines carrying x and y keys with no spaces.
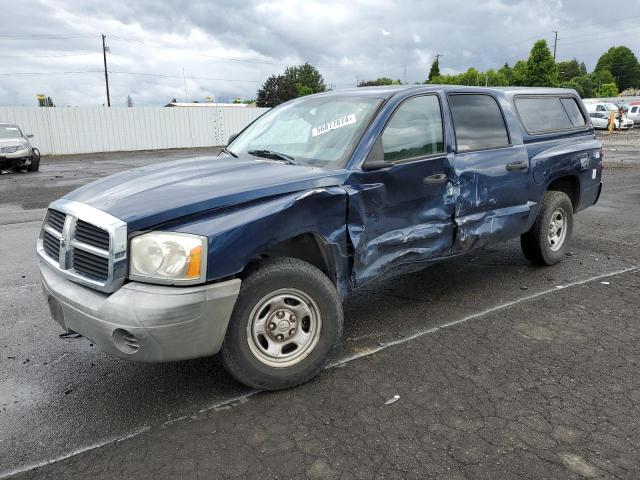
{"x":375,"y":159}
{"x":29,"y":135}
{"x":232,"y":137}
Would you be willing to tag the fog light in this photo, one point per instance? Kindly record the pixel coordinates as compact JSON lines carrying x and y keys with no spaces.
{"x":125,"y":341}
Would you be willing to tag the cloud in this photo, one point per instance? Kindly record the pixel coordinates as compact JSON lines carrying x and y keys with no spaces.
{"x":228,"y":49}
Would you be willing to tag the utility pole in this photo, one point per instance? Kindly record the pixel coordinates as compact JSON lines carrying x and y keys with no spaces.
{"x":404,"y":69}
{"x":106,"y":75}
{"x":555,"y":44}
{"x":438,"y":55}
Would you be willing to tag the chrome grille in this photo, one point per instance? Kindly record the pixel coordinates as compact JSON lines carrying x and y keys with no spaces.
{"x":84,"y":244}
{"x":90,"y":265}
{"x":56,"y":219}
{"x":51,"y":245}
{"x":92,"y":235}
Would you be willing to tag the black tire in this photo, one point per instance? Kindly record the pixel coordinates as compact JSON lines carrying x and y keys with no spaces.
{"x":35,"y":161}
{"x":270,"y":276}
{"x":536,"y":245}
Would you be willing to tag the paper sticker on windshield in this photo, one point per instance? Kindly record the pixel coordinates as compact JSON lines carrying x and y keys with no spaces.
{"x":339,"y":123}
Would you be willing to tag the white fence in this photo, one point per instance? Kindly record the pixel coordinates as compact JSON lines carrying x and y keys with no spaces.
{"x":68,"y":130}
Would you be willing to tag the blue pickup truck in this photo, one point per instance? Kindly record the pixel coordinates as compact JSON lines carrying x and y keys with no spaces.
{"x":249,"y":254}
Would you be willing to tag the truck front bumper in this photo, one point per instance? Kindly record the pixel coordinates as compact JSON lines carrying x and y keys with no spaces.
{"x":142,"y":322}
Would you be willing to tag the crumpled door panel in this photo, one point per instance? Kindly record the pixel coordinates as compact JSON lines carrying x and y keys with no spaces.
{"x":396,"y":239}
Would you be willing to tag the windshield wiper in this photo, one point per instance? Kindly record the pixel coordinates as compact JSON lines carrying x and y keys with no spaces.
{"x":271,"y":154}
{"x":226,"y":150}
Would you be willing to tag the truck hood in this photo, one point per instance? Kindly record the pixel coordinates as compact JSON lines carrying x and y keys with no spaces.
{"x":148,"y":196}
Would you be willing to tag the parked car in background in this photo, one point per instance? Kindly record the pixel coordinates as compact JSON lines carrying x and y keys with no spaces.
{"x":251,"y":253}
{"x":606,"y":108}
{"x":15,"y":150}
{"x":600,"y":121}
{"x":634,"y":113}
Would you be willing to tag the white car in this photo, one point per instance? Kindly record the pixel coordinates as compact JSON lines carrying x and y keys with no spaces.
{"x":600,"y":120}
{"x":16,"y":152}
{"x":634,"y":113}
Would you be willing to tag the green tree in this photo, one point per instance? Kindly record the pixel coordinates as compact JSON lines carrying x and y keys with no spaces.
{"x":519,"y":74}
{"x":541,"y":68}
{"x":573,"y":84}
{"x":306,"y":78}
{"x":507,"y":72}
{"x":608,"y":90}
{"x":623,"y":65}
{"x":276,"y":90}
{"x":602,"y":76}
{"x":378,"y":82}
{"x":471,"y":77}
{"x":587,"y":85}
{"x":569,"y":69}
{"x":583,"y":68}
{"x":435,"y":70}
{"x":495,"y":78}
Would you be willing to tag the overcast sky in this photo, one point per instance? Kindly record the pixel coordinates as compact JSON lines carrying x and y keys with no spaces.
{"x":227,"y":49}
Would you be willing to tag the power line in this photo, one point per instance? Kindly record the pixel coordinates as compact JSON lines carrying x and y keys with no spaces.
{"x":50,"y":35}
{"x":27,"y":74}
{"x":50,"y":56}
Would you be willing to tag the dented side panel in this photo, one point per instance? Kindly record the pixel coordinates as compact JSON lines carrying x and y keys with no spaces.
{"x":491,"y":202}
{"x":396,"y":222}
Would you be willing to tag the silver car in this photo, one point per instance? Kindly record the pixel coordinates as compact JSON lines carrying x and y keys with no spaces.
{"x":16,"y":152}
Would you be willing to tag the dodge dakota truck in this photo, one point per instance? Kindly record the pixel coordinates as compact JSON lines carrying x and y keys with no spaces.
{"x":250,"y":253}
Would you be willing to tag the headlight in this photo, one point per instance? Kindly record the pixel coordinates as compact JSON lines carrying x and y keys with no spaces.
{"x":166,"y":257}
{"x":22,"y":145}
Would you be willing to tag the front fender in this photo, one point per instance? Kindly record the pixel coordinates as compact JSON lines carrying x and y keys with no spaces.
{"x":240,"y":234}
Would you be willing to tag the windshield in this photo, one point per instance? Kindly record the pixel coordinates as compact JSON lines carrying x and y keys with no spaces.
{"x":315,"y":131}
{"x":10,"y":131}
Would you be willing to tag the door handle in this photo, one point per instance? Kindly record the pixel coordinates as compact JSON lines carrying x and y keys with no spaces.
{"x":435,"y":179}
{"x":516,"y":166}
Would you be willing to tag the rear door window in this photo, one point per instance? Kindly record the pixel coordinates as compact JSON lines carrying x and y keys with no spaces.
{"x":548,"y":114}
{"x":478,"y":122}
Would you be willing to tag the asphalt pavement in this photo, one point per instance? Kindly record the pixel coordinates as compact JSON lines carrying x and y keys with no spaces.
{"x":504,"y":370}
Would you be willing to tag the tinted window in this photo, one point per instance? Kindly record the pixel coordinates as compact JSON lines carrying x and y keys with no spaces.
{"x":478,"y":122}
{"x":634,"y":109}
{"x":573,"y":110}
{"x":543,"y":114}
{"x":601,"y":108}
{"x":415,"y":130}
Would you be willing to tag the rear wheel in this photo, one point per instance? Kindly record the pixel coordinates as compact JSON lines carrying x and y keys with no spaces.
{"x":35,"y":161}
{"x":547,"y":240}
{"x":285,"y":325}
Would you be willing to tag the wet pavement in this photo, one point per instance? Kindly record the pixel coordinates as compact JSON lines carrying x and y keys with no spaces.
{"x":504,"y":370}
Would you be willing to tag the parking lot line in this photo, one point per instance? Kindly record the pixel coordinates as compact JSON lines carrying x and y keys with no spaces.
{"x":244,"y":397}
{"x":502,"y":306}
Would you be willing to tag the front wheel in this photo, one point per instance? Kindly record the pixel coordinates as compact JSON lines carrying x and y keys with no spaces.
{"x":547,"y":240}
{"x":34,"y":166}
{"x":285,"y":325}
